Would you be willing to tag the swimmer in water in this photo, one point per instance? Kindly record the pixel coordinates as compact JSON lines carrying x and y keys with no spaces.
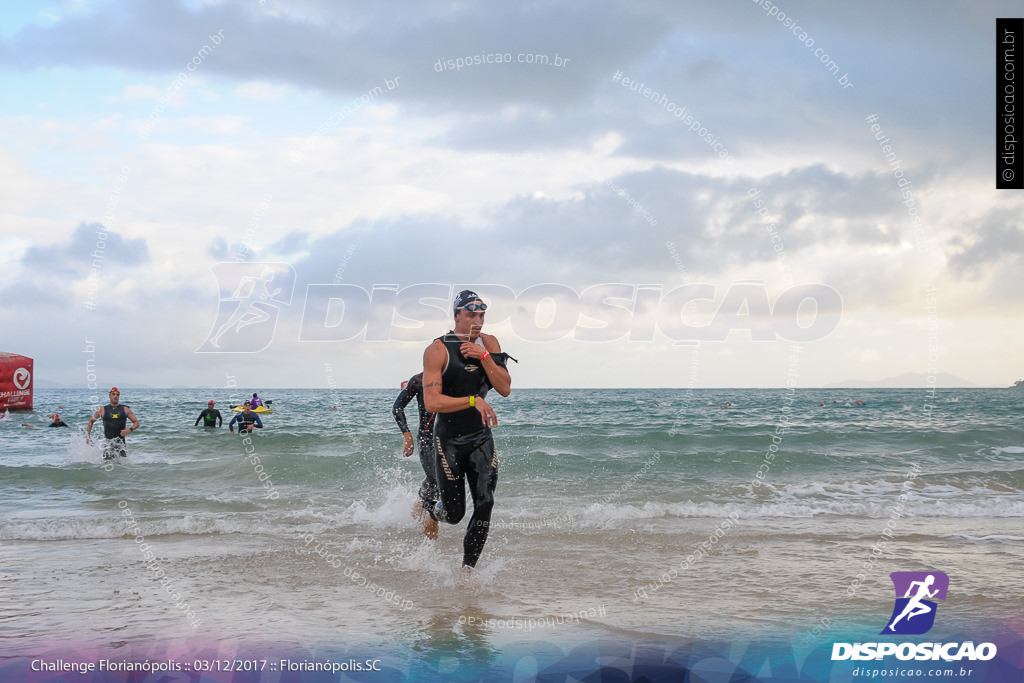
{"x":247,"y":420}
{"x":210,"y":417}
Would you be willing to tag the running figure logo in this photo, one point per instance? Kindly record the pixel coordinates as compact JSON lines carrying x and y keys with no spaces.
{"x":913,"y":614}
{"x":251,"y":295}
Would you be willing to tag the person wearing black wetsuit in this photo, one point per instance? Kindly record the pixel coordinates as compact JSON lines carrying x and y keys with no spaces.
{"x":210,"y":417}
{"x":424,"y":437}
{"x":55,"y":421}
{"x":115,"y":426}
{"x":246,"y":420}
{"x":458,"y":370}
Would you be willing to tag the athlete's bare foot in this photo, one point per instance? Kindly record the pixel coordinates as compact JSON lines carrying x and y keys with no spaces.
{"x":417,"y":509}
{"x":466,"y":579}
{"x":430,"y":527}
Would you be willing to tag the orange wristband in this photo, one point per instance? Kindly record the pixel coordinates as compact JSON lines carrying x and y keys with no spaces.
{"x":487,"y":354}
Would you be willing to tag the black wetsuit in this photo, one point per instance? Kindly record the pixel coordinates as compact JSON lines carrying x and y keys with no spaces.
{"x":58,"y":423}
{"x":465,"y":448}
{"x":424,"y":436}
{"x":210,"y":417}
{"x":244,"y":421}
{"x":114,"y":420}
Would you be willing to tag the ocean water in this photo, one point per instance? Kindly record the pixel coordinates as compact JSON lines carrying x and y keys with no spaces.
{"x":645,"y":516}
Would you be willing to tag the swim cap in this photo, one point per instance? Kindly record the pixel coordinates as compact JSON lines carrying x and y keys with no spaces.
{"x":113,"y":389}
{"x":209,"y":403}
{"x":466,"y":296}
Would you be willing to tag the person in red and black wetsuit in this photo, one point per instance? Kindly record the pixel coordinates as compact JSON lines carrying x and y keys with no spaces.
{"x":425,"y":438}
{"x":458,"y":370}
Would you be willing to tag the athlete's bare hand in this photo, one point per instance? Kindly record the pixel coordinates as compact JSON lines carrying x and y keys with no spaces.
{"x":474,"y":351}
{"x":486,"y":412}
{"x":407,"y":446}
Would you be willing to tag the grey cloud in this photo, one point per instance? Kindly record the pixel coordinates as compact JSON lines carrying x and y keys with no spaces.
{"x":998,"y":237}
{"x":218,"y":249}
{"x":617,"y":231}
{"x":91,"y":245}
{"x":716,"y":60}
{"x":344,"y":49}
{"x":31,"y":296}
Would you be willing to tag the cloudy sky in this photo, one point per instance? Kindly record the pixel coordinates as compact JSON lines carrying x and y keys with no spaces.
{"x":351,"y":166}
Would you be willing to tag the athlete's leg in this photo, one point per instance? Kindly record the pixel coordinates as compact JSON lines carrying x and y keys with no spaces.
{"x":482,"y":474}
{"x":114,"y":448}
{"x":450,"y":486}
{"x":428,"y":489}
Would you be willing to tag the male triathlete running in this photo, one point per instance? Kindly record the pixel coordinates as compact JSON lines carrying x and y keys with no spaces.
{"x":458,"y":370}
{"x":115,"y":426}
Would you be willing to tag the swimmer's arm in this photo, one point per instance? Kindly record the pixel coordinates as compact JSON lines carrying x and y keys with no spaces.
{"x":433,"y":365}
{"x":498,"y":376}
{"x":135,"y":420}
{"x":398,"y":410}
{"x":436,"y":402}
{"x":220,"y":420}
{"x":433,"y":400}
{"x":259,"y":422}
{"x":199,"y":418}
{"x":95,"y":416}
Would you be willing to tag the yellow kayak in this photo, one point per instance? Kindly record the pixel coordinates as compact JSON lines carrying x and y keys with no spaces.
{"x":261,"y":410}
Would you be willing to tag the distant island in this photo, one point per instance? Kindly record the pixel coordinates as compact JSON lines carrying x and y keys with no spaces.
{"x":909,"y":380}
{"x":1019,"y":384}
